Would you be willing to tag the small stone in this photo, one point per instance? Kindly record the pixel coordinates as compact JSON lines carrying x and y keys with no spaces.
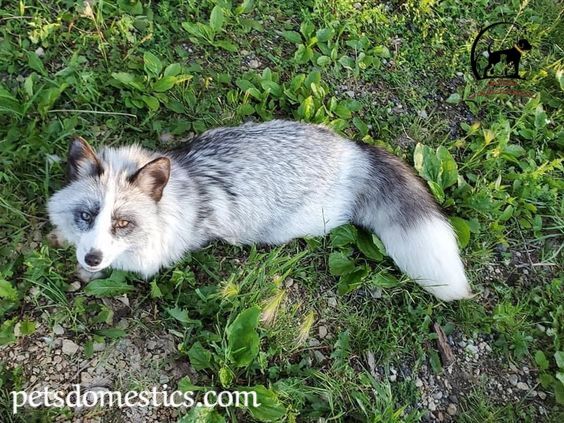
{"x":98,"y":346}
{"x":432,"y":406}
{"x":58,"y":329}
{"x":313,"y":342}
{"x":471,"y":349}
{"x":393,"y":377}
{"x":69,"y":347}
{"x":40,"y":52}
{"x":151,"y":345}
{"x":350,"y":93}
{"x":451,"y":409}
{"x":453,"y":398}
{"x":289,"y":282}
{"x":513,"y":379}
{"x":332,"y":302}
{"x":253,"y":64}
{"x":319,"y":356}
{"x":438,"y":395}
{"x":422,"y":114}
{"x":357,"y":6}
{"x":73,"y":287}
{"x":418,"y":383}
{"x":163,"y":379}
{"x":322,"y":331}
{"x":522,"y":386}
{"x":542,"y":395}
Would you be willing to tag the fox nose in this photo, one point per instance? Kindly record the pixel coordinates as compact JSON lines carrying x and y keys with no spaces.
{"x":93,"y":258}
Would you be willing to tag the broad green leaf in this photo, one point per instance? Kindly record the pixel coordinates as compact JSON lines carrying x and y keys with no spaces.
{"x":200,"y":358}
{"x":384,"y":280}
{"x":7,"y":291}
{"x":152,"y":64}
{"x":245,"y":7}
{"x":462,"y":229}
{"x":172,"y":70}
{"x":48,"y":97}
{"x":226,"y":376}
{"x":343,"y":111}
{"x":540,"y":117}
{"x":151,"y":102}
{"x":155,"y":290}
{"x":541,"y":360}
{"x":437,"y":191}
{"x":448,"y":174}
{"x":242,"y":337}
{"x":292,"y":36}
{"x":366,"y":245}
{"x":323,"y":60}
{"x":109,"y":287}
{"x":8,"y":103}
{"x":217,"y":18}
{"x":559,"y":357}
{"x":179,"y":314}
{"x":382,"y":51}
{"x":352,"y":280}
{"x":323,"y":35}
{"x":340,"y":264}
{"x":186,"y":385}
{"x":129,"y":80}
{"x":35,"y":63}
{"x":343,"y":235}
{"x":226,"y":45}
{"x":27,"y":327}
{"x":270,"y":408}
{"x":306,"y":109}
{"x":164,"y":84}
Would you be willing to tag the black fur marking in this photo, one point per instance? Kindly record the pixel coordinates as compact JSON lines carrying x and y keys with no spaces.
{"x":82,"y":160}
{"x":394,"y":187}
{"x":82,"y":224}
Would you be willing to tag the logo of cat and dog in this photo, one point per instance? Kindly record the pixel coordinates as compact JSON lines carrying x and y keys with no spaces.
{"x":498,"y":51}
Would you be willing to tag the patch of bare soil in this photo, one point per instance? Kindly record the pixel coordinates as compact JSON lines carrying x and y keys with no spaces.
{"x":142,"y":360}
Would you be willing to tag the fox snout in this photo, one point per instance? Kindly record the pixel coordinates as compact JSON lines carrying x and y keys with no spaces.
{"x":93,"y":258}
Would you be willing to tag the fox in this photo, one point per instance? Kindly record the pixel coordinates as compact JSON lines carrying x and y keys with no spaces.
{"x":267,"y":183}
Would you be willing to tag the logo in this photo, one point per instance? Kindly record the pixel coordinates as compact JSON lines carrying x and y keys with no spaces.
{"x":499,"y":52}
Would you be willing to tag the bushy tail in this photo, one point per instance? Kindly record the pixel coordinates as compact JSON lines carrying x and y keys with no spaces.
{"x":428,"y":253}
{"x":396,"y":205}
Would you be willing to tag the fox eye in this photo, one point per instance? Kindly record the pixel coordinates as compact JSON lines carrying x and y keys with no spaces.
{"x":121,"y":223}
{"x":87,"y":217}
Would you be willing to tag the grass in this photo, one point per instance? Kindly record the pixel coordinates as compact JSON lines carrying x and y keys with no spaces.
{"x":394,"y":74}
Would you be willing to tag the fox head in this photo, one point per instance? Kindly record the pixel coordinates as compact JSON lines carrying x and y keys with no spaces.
{"x":108,"y":209}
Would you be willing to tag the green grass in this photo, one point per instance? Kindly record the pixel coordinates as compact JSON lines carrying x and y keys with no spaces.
{"x":119,"y":72}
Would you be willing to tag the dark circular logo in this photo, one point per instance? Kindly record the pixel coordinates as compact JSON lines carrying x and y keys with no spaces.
{"x":498,"y":51}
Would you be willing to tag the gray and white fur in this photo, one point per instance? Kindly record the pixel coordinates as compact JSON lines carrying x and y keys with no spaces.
{"x":140,"y":210}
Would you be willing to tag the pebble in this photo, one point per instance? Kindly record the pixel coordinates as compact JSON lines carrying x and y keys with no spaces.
{"x":422,"y":114}
{"x":253,"y":64}
{"x":432,"y":406}
{"x":419,"y":383}
{"x":313,"y":342}
{"x":151,"y":345}
{"x":69,"y":347}
{"x":332,"y":302}
{"x":513,"y":379}
{"x":40,"y":52}
{"x":319,"y":356}
{"x":451,"y":409}
{"x":438,"y":395}
{"x":73,"y":287}
{"x":58,"y":329}
{"x":322,"y":331}
{"x":542,"y":395}
{"x":522,"y":386}
{"x":393,"y":377}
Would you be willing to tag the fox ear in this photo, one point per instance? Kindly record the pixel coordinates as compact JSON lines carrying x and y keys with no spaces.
{"x":82,"y":160}
{"x":153,"y":177}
